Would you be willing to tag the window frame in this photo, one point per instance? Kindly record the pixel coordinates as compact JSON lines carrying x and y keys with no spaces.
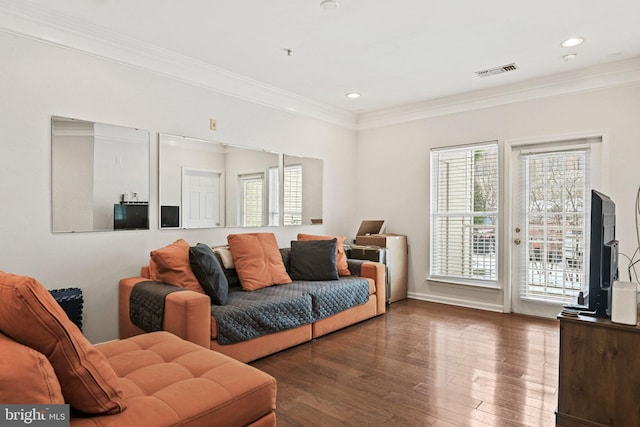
{"x":544,"y":153}
{"x":293,"y":194}
{"x":243,"y":180}
{"x":464,"y":279}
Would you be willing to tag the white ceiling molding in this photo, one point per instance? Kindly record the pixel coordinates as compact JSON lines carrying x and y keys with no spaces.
{"x":26,"y":20}
{"x":68,"y":33}
{"x":586,"y":79}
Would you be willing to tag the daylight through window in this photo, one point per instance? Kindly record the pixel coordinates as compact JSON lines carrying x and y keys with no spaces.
{"x":464,"y":213}
{"x":252,"y":199}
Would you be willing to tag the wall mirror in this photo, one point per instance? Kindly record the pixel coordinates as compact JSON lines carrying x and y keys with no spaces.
{"x":99,"y":176}
{"x":302,"y":190}
{"x":205,"y":184}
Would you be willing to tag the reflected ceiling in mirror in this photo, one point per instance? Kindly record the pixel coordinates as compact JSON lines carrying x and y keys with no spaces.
{"x":99,"y":176}
{"x":302,"y":190}
{"x":206,"y":184}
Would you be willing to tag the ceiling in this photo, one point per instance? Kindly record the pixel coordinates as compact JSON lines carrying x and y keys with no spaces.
{"x":394,"y":53}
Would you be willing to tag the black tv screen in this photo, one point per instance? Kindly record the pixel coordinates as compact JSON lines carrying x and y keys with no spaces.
{"x":130,"y":216}
{"x":169,"y":216}
{"x":603,"y":260}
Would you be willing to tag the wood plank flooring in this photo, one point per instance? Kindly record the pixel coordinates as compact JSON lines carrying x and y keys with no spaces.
{"x":422,"y":364}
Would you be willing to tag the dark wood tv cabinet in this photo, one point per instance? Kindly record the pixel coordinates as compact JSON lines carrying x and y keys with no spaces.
{"x":599,"y":376}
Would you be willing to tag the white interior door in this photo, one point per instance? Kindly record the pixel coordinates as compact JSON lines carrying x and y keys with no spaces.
{"x":201,"y":198}
{"x":549,"y":236}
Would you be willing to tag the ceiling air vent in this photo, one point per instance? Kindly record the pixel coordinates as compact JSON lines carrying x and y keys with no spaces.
{"x":497,"y":70}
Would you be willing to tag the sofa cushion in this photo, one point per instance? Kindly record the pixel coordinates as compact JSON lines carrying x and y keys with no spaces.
{"x":209,"y":273}
{"x":31,"y":316}
{"x":313,"y":260}
{"x":225,"y":256}
{"x":223,"y":253}
{"x":258,"y":261}
{"x":341,"y":254}
{"x":171,"y":265}
{"x":26,"y":376}
{"x":169,"y":381}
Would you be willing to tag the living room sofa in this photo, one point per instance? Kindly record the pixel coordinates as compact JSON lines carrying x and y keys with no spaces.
{"x":189,"y":314}
{"x":155,"y":379}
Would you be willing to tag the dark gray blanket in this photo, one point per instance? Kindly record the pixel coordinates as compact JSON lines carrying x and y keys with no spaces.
{"x":249,"y":315}
{"x":146,"y":304}
{"x":334,"y":296}
{"x":355,"y":266}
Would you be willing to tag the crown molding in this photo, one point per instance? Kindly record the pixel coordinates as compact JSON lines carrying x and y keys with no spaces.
{"x":29,"y":21}
{"x":25,"y":19}
{"x":585,"y":79}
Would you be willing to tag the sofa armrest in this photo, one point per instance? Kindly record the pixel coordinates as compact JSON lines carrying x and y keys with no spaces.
{"x":187,"y":314}
{"x":378,"y":273}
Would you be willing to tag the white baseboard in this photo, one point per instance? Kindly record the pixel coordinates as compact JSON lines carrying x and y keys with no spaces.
{"x":456,"y":301}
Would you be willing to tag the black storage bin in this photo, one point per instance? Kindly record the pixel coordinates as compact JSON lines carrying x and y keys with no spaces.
{"x":71,"y":301}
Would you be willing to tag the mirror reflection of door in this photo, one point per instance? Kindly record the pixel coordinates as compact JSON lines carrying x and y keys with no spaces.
{"x":201,"y":198}
{"x":276,"y":196}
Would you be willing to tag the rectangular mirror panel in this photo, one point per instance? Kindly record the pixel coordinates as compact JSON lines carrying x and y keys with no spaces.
{"x":206,"y":184}
{"x":302,"y":190}
{"x":99,"y":176}
{"x":191,"y":182}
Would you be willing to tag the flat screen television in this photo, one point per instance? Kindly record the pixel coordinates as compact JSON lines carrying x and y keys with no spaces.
{"x":130,"y":216}
{"x":603,"y":259}
{"x":169,"y":216}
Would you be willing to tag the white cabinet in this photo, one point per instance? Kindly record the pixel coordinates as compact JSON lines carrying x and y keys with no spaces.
{"x":392,"y":250}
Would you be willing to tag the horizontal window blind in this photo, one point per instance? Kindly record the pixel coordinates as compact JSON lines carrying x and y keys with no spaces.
{"x":464,"y":212}
{"x":293,"y":195}
{"x":252,"y":199}
{"x":555,"y":191}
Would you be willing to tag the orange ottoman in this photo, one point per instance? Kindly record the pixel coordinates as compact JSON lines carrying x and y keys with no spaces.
{"x":169,"y":381}
{"x":154,"y":379}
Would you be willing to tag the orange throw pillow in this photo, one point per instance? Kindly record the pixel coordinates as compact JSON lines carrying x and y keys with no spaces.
{"x":341,"y":254}
{"x":27,"y":375}
{"x":258,"y":261}
{"x":171,"y":265}
{"x":31,"y":316}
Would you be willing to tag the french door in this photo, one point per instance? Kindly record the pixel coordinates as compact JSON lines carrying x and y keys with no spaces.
{"x":550,"y":216}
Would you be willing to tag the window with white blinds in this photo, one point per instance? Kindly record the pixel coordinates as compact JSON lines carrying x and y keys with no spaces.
{"x":293,"y":195}
{"x":252,"y":199}
{"x":464,"y":214}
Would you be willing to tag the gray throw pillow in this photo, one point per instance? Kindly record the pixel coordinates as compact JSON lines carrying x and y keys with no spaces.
{"x":209,"y":272}
{"x":313,"y":260}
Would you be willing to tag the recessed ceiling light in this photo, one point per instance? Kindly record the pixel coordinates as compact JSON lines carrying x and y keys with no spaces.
{"x":570,"y":56}
{"x":573,"y":41}
{"x":329,"y":4}
{"x":353,"y":95}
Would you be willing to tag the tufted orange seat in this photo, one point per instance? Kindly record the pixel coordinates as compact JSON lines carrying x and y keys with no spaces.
{"x":153,"y":379}
{"x":168,"y":381}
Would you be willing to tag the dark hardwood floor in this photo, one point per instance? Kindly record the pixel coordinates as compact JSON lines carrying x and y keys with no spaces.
{"x":422,"y":364}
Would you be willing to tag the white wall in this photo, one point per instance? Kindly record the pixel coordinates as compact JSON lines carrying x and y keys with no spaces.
{"x":120,"y":155}
{"x":72,"y":189}
{"x":40,"y":80}
{"x":393,"y":169}
{"x":384,"y":174}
